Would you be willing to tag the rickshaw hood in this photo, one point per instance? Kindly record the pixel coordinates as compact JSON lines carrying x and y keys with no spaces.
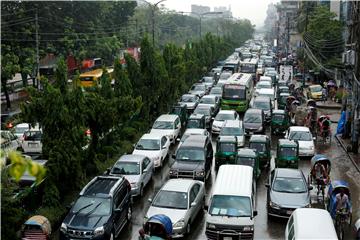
{"x":174,"y":214}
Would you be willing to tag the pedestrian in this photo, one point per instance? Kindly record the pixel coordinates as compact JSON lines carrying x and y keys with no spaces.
{"x":324,"y":94}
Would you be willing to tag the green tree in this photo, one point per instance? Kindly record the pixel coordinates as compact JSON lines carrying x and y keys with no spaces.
{"x":134,"y":74}
{"x":122,"y":85}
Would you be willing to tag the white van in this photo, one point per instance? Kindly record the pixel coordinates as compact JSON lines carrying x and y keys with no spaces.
{"x":168,"y":125}
{"x":231,"y":209}
{"x":310,"y":223}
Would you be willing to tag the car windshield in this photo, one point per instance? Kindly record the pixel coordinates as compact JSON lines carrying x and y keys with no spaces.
{"x":148,"y":144}
{"x":20,"y":130}
{"x":187,"y":154}
{"x":198,"y":88}
{"x":288,"y":151}
{"x":176,"y":110}
{"x":289,"y":185}
{"x":260,"y":147}
{"x":271,"y":96}
{"x":208,"y":79}
{"x":231,"y":131}
{"x":224,"y":116}
{"x":186,"y":135}
{"x":231,"y":206}
{"x":126,"y":168}
{"x":252,"y":118}
{"x":300,"y":136}
{"x":192,"y":123}
{"x":234,"y":92}
{"x":263,"y":85}
{"x":316,"y":89}
{"x":171,"y":199}
{"x":262,"y":105}
{"x":33,"y":135}
{"x":247,"y":161}
{"x":188,"y":98}
{"x":163,"y":125}
{"x":207,"y":100}
{"x":227,"y":147}
{"x":92,"y":206}
{"x":216,"y":91}
{"x":278,"y":117}
{"x":204,"y":111}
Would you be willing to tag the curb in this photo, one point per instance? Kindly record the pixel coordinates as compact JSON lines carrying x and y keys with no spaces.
{"x":351,"y":158}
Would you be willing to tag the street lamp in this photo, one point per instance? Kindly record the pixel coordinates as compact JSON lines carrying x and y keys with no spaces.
{"x":200,"y":15}
{"x":153,"y":8}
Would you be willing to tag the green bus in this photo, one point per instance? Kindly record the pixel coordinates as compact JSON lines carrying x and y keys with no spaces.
{"x":237,"y":92}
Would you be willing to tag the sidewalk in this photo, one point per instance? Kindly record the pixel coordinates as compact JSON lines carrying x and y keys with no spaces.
{"x":355,"y":158}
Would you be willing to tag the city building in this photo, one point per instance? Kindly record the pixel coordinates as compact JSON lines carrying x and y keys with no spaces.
{"x":199,"y":9}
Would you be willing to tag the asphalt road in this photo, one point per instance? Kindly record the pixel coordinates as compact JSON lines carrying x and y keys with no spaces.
{"x":265,"y":228}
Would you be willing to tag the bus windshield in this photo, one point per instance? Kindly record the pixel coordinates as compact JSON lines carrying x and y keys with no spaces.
{"x":248,"y":68}
{"x":234,"y":92}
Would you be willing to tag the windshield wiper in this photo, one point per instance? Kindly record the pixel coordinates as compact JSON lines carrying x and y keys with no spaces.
{"x":86,"y":206}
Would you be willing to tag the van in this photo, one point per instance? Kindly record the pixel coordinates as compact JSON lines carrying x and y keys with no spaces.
{"x":231,"y":209}
{"x":167,"y":125}
{"x":310,"y":223}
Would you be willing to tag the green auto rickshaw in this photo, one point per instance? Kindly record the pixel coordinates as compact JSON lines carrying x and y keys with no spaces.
{"x":196,"y":121}
{"x":287,"y":154}
{"x":280,"y":122}
{"x":262,"y":144}
{"x":226,"y":150}
{"x":282,"y":89}
{"x":181,"y":111}
{"x":249,"y":157}
{"x":282,"y":100}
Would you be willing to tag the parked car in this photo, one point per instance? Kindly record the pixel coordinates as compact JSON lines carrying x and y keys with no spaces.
{"x":101,"y":211}
{"x":167,"y":125}
{"x":31,"y":143}
{"x":153,"y":146}
{"x":303,"y":136}
{"x":254,"y":121}
{"x":181,"y":200}
{"x":220,"y":119}
{"x":190,"y":100}
{"x":211,"y":100}
{"x":198,"y":89}
{"x":137,"y":169}
{"x":287,"y":191}
{"x":234,"y":128}
{"x":193,"y":159}
{"x":207,"y":111}
{"x":216,"y":91}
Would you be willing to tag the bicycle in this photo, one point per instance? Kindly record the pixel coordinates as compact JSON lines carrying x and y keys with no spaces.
{"x":341,"y":219}
{"x":320,"y":185}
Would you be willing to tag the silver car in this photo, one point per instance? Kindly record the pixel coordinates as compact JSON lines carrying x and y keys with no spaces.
{"x":181,"y":200}
{"x":137,"y":169}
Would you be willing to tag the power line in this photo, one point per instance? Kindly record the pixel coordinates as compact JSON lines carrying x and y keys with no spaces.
{"x":18,"y":23}
{"x":12,"y":14}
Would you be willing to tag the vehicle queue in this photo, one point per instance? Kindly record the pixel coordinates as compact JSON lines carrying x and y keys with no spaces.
{"x":237,"y":100}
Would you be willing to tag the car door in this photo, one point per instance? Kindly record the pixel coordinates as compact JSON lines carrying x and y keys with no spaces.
{"x":122,"y":203}
{"x":199,"y":195}
{"x":147,"y":166}
{"x":165,"y":143}
{"x":270,"y":181}
{"x":177,"y":127}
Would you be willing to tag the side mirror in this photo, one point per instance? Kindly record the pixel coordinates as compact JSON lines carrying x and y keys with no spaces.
{"x":310,"y":188}
{"x":267,"y":185}
{"x":145,"y":171}
{"x":193,"y":204}
{"x":118,"y":210}
{"x":150,"y":200}
{"x":255,"y":213}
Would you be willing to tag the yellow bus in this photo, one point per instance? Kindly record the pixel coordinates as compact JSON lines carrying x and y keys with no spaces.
{"x":91,"y":78}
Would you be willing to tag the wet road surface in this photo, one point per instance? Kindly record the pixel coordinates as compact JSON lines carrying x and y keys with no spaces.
{"x":265,"y":228}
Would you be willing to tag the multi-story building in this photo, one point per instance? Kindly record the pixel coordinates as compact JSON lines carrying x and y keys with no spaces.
{"x":199,"y":9}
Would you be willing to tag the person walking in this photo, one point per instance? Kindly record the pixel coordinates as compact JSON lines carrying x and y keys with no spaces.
{"x":324,"y":94}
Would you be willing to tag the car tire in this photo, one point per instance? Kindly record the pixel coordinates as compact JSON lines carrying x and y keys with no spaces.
{"x":188,"y":228}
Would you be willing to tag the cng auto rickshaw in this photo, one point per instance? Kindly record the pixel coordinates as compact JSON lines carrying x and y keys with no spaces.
{"x":282,"y":89}
{"x":280,"y":122}
{"x":181,"y":111}
{"x":287,"y":154}
{"x":249,"y":157}
{"x":196,"y":121}
{"x":282,"y":100}
{"x":226,"y":150}
{"x":263,"y":147}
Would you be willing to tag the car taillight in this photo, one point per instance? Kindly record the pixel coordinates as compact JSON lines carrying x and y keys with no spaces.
{"x":10,"y":125}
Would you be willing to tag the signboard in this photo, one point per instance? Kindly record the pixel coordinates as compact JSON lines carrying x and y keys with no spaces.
{"x":286,"y":73}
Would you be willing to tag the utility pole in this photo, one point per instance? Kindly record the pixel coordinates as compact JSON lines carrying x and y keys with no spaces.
{"x":306,"y":25}
{"x":288,"y":36}
{"x":37,"y":51}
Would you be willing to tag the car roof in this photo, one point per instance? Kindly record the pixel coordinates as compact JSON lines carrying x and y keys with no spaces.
{"x":253,"y":110}
{"x":312,"y":223}
{"x":281,"y":111}
{"x":299,"y":129}
{"x":287,"y":142}
{"x":194,"y":141}
{"x":226,"y":112}
{"x":196,"y":116}
{"x":167,"y":117}
{"x":152,"y":136}
{"x":262,"y":99}
{"x":22,"y":125}
{"x":189,"y":95}
{"x":264,"y":82}
{"x":131,"y":158}
{"x":195,"y":131}
{"x":265,"y":90}
{"x":178,"y":185}
{"x":204,"y":106}
{"x":258,"y":137}
{"x":227,"y":138}
{"x":313,"y":86}
{"x":247,"y":152}
{"x":232,"y":123}
{"x":209,"y":96}
{"x":288,"y":173}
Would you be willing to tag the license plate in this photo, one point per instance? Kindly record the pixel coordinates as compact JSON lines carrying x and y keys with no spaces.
{"x":33,"y":145}
{"x":227,"y":238}
{"x":289,"y":212}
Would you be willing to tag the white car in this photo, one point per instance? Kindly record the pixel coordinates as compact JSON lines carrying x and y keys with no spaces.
{"x":263,"y":85}
{"x":234,"y":128}
{"x":192,"y":131}
{"x":167,"y":125}
{"x":220,"y":119}
{"x":181,"y":200}
{"x":265,"y":78}
{"x":153,"y":146}
{"x":31,"y":143}
{"x":20,"y":129}
{"x":267,"y":92}
{"x":304,"y":138}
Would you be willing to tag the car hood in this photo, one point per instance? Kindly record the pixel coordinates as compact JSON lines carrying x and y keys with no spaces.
{"x":305,"y":144}
{"x":83,"y":221}
{"x":290,"y":200}
{"x":197,"y":92}
{"x":189,"y":104}
{"x":148,"y":153}
{"x":252,"y":125}
{"x":132,"y":178}
{"x":174,"y":214}
{"x":188,"y":165}
{"x":231,"y":221}
{"x":218,"y":123}
{"x":163,"y":132}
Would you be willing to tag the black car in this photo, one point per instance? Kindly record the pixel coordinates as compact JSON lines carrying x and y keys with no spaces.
{"x":101,"y":211}
{"x":254,"y":121}
{"x":193,"y":159}
{"x":287,"y":191}
{"x":206,"y":110}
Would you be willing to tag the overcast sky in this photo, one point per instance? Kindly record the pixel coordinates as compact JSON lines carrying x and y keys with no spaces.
{"x":254,"y":10}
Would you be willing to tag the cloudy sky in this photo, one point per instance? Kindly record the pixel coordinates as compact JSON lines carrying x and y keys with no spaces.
{"x":254,"y":10}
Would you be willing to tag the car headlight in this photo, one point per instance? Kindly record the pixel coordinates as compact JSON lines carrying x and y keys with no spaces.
{"x":200,"y":173}
{"x":248,"y":228}
{"x":173,"y":172}
{"x":134,"y":184}
{"x":63,"y":228}
{"x":179,"y":224}
{"x":260,"y":129}
{"x":210,"y":225}
{"x":274,"y":205}
{"x":99,"y":231}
